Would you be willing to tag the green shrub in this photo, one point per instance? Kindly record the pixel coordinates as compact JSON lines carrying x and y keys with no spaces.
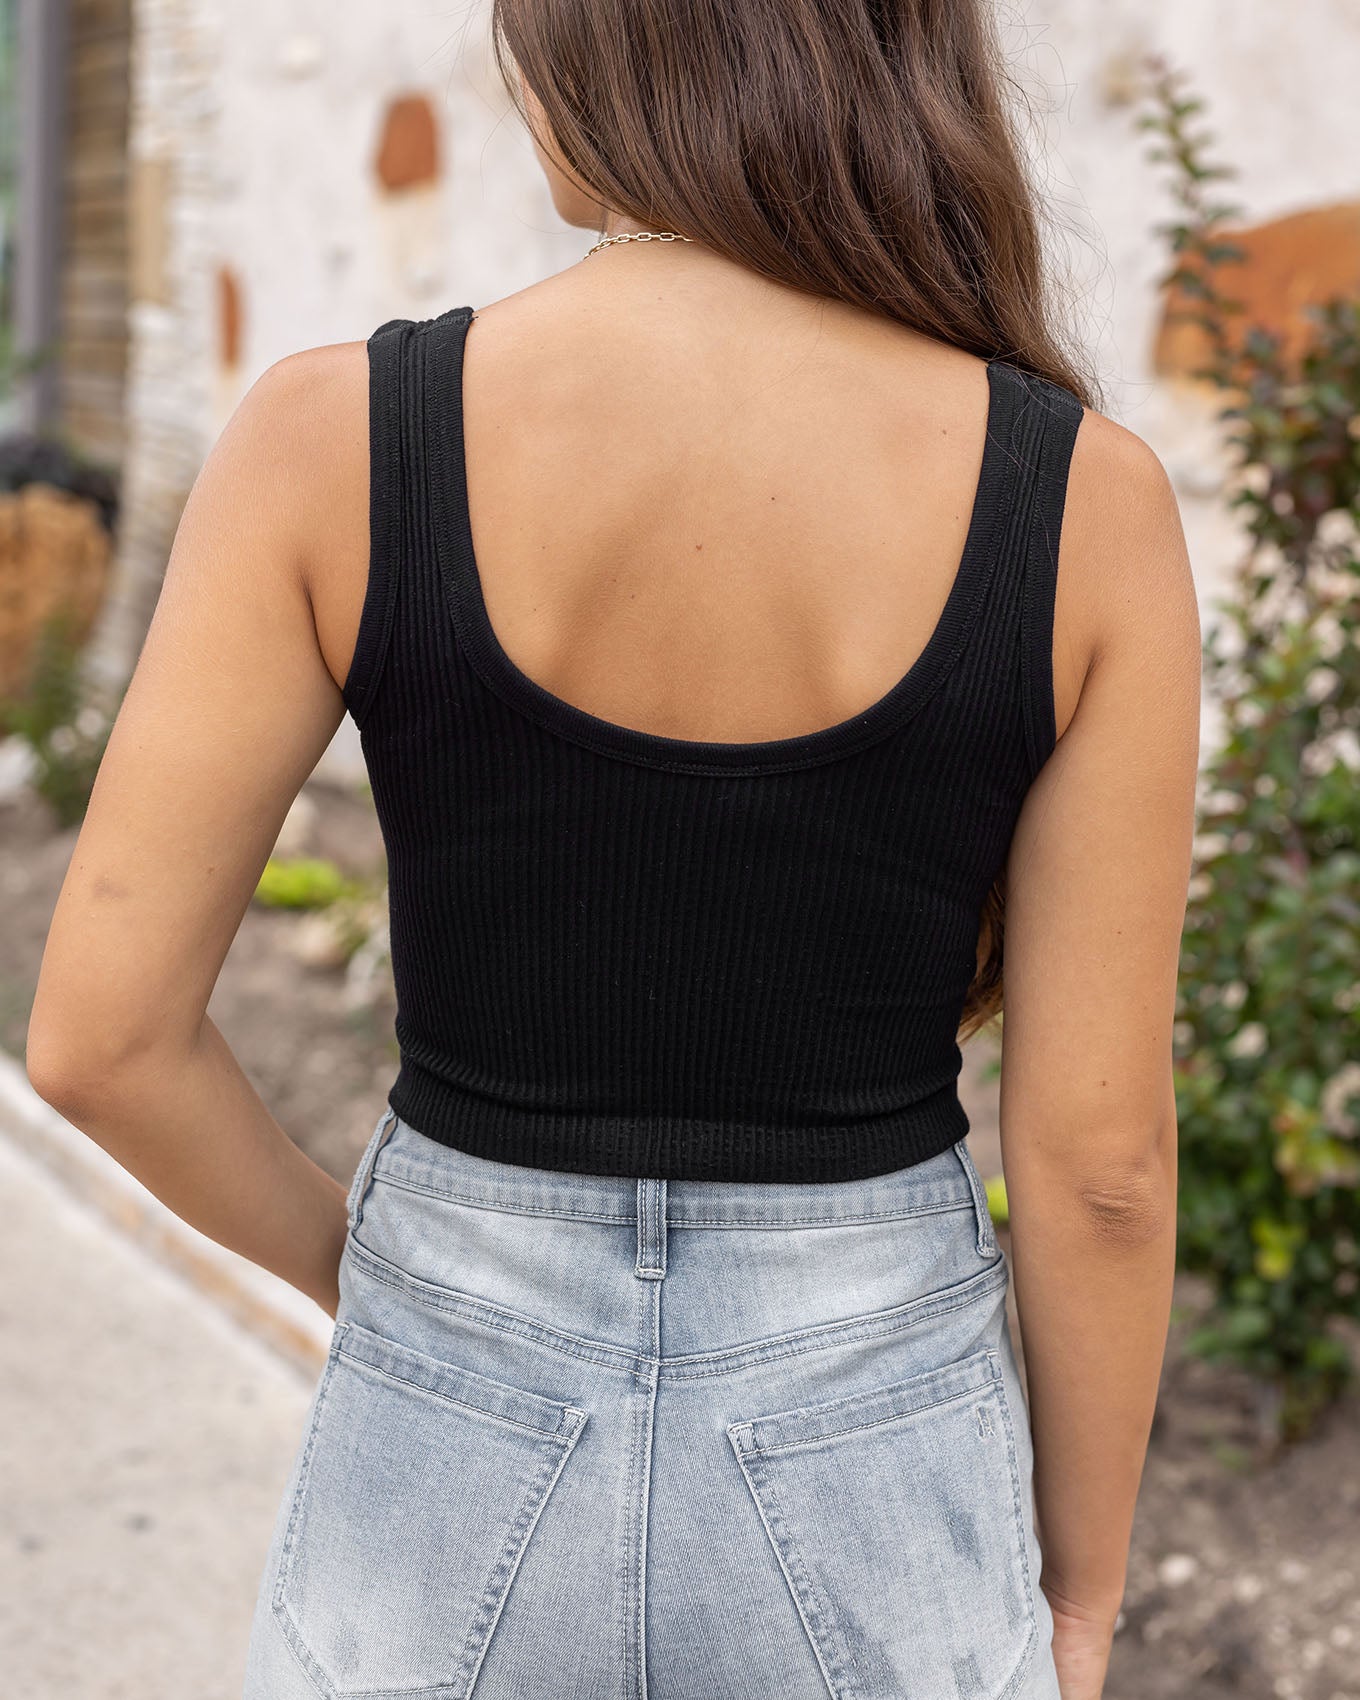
{"x":301,"y":882}
{"x":1267,"y":1065}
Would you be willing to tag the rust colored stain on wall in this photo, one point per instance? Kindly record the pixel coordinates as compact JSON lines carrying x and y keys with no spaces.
{"x":1289,"y":262}
{"x":408,"y":153}
{"x":228,"y":317}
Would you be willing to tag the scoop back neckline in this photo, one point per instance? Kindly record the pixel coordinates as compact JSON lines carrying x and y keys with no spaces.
{"x":446,"y":458}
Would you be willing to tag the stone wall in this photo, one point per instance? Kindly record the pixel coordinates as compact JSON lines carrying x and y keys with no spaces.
{"x":171,"y":420}
{"x":94,"y":266}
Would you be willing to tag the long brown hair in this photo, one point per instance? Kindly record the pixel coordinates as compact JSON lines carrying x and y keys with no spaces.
{"x":864,"y":150}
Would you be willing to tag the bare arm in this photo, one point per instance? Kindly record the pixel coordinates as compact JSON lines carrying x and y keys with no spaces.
{"x":1096,"y":889}
{"x":228,"y":711}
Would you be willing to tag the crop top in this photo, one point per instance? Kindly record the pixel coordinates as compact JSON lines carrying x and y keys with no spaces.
{"x":621,"y":953}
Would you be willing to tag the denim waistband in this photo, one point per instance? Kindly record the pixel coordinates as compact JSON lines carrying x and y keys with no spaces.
{"x":400,"y":1153}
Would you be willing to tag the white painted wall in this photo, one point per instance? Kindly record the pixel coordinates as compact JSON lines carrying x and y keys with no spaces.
{"x":325,"y":254}
{"x":295,"y":92}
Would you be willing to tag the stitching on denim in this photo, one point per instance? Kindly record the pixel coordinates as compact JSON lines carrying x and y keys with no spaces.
{"x":395,"y":1176}
{"x":828,"y":1335}
{"x":302,"y":1658}
{"x":364,"y":1177}
{"x":781,"y":1447}
{"x":1023,"y":1661}
{"x":627,"y":1620}
{"x":501,"y":1578}
{"x":556,"y":1435}
{"x":986,"y":1233}
{"x":652,"y":1301}
{"x":749,"y":1463}
{"x":824,"y":1335}
{"x":650,"y":1190}
{"x":305,"y":1467}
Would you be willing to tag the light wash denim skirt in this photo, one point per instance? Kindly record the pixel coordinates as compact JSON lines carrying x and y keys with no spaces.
{"x":591,"y":1437}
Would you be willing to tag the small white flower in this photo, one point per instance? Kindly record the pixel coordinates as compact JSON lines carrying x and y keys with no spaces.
{"x":1340,"y":1092}
{"x":1208,"y":845}
{"x":1321,"y":682}
{"x":1248,"y":1041}
{"x":1340,"y":747}
{"x":1249,"y":712}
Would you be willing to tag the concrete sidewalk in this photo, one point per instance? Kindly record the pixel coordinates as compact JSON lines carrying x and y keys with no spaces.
{"x":145,"y":1437}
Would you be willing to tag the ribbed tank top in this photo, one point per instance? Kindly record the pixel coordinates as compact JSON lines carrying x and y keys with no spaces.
{"x":621,"y":953}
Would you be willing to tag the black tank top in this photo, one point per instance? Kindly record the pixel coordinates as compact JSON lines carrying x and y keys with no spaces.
{"x":621,"y":953}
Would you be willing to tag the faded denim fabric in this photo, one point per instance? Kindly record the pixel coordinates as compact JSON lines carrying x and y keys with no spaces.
{"x":589,"y":1437}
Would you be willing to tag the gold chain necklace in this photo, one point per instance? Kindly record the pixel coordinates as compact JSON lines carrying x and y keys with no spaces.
{"x":638,"y":236}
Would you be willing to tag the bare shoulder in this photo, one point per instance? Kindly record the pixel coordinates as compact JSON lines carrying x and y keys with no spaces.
{"x":1124,"y":567}
{"x":300,"y":410}
{"x":302,"y":427}
{"x":295,"y":456}
{"x":311,"y":397}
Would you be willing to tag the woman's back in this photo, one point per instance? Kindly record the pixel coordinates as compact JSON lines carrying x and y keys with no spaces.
{"x":704,"y":505}
{"x":630,"y":931}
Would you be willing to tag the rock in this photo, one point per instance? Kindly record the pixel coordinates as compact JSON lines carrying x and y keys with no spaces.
{"x":1176,"y":1569}
{"x":316,"y":943}
{"x":299,"y":825}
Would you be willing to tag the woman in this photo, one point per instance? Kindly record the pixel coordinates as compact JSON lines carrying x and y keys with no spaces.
{"x":814,"y":625}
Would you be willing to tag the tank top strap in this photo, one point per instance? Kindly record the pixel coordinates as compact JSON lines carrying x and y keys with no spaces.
{"x":1043,"y":430}
{"x":403,"y":601}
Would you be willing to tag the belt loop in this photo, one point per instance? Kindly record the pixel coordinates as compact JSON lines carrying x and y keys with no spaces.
{"x":986,"y":1230}
{"x":358,"y":1187}
{"x":651,"y":1229}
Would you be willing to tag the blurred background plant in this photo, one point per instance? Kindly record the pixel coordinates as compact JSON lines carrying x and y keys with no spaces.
{"x":1268,"y":1032}
{"x":342,"y":922}
{"x":66,"y":734}
{"x":58,"y":518}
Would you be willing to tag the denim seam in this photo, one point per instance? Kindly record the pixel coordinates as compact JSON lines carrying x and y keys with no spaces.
{"x":786,"y":1555}
{"x":824,"y":1335}
{"x":647,"y":1431}
{"x":827,"y":1335}
{"x":479,"y":1311}
{"x":650,"y":1228}
{"x":288,"y":1636}
{"x":304,"y":1468}
{"x":394,"y":1176}
{"x":502,"y":1575}
{"x":632,"y":1655}
{"x":986,"y":1231}
{"x":561,"y":1435}
{"x":1032,"y":1639}
{"x":363,"y":1177}
{"x":779,"y":1448}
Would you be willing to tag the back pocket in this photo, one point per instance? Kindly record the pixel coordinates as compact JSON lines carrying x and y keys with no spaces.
{"x":896,"y":1516}
{"x":420,"y":1486}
